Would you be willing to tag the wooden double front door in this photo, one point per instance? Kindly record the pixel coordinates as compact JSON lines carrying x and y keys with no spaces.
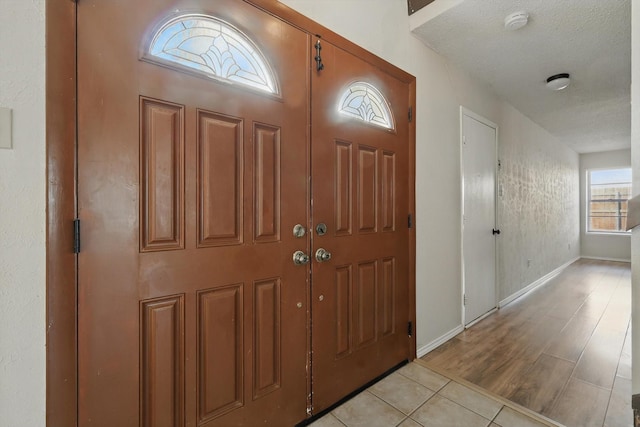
{"x":214,"y":162}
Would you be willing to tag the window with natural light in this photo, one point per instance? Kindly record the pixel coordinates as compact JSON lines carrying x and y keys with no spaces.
{"x":214,"y":48}
{"x":365,"y":102}
{"x":609,"y":191}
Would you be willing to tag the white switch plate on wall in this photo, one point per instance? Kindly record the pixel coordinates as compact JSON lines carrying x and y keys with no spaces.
{"x":5,"y":128}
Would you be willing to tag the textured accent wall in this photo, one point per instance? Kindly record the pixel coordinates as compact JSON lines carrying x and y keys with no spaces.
{"x":538,"y":210}
{"x":22,"y":216}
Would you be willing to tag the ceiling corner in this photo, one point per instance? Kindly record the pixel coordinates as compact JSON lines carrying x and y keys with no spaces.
{"x":422,"y":14}
{"x":416,"y":5}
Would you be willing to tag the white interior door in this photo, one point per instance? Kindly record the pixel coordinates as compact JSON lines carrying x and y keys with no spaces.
{"x":479,"y":216}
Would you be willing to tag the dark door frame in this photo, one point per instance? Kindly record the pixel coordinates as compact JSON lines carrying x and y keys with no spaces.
{"x":61,"y":203}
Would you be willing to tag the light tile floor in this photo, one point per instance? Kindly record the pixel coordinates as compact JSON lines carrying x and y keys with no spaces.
{"x":416,"y":396}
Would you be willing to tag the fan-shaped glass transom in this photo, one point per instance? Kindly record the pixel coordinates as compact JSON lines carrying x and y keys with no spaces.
{"x":364,"y":102}
{"x":214,"y":48}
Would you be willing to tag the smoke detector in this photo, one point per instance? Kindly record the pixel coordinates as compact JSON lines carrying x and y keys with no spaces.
{"x":516,"y":21}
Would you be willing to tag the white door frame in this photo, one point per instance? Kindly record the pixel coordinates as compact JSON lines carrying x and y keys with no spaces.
{"x":466,"y":112}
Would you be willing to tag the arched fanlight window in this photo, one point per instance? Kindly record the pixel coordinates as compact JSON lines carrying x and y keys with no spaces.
{"x":214,"y":48}
{"x":364,"y":102}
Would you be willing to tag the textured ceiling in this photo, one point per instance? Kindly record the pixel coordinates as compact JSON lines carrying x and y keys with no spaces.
{"x":590,"y":39}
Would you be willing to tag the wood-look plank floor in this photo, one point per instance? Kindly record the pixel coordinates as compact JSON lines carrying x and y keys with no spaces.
{"x":563,"y":351}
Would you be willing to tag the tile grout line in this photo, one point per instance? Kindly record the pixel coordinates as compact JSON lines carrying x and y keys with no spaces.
{"x":449,"y":381}
{"x":505,"y":402}
{"x":556,"y":401}
{"x":628,"y":331}
{"x":470,"y":409}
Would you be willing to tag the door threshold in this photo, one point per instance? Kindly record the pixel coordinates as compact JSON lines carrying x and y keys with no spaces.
{"x":351,"y":395}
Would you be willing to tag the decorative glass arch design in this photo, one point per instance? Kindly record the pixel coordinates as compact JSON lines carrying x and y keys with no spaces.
{"x":213,"y":48}
{"x":364,"y":102}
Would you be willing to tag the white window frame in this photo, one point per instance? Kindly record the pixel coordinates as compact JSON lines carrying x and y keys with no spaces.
{"x":588,"y":202}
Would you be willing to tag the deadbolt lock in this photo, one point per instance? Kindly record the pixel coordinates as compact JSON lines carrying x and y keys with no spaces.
{"x":321,"y":229}
{"x":299,"y":230}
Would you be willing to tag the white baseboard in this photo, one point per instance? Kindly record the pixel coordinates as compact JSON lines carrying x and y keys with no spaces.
{"x":439,"y":341}
{"x":540,"y":282}
{"x":599,"y":258}
{"x":484,"y":316}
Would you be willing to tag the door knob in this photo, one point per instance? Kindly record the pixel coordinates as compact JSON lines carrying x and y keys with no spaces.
{"x":322,"y":255}
{"x":300,"y":258}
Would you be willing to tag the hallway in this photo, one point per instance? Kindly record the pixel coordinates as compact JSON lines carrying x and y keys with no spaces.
{"x":562,"y":351}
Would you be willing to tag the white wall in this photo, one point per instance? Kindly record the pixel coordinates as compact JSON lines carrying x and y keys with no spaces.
{"x":635,"y":162}
{"x":22,"y":216}
{"x":605,"y":246}
{"x":532,"y":157}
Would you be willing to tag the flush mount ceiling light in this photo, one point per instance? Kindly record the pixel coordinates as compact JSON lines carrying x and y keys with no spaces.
{"x":558,"y":81}
{"x":516,"y":21}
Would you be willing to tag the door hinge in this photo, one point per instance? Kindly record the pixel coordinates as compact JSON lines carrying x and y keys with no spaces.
{"x":410,"y":328}
{"x":410,"y":221}
{"x":76,"y":236}
{"x":410,"y":114}
{"x":464,"y":299}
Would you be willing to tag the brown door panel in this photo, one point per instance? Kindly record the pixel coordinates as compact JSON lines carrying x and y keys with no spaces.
{"x":360,"y":297}
{"x":191,"y":311}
